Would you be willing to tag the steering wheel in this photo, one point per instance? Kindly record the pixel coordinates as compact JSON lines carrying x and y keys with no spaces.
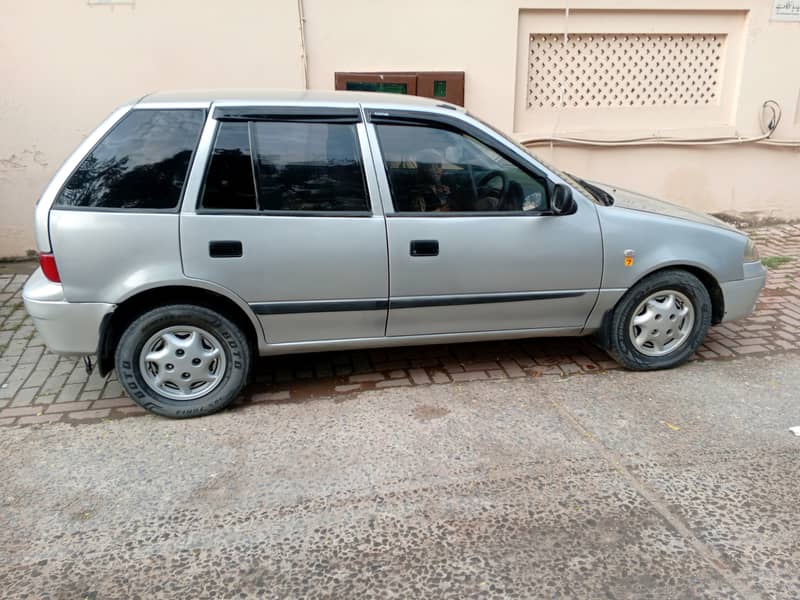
{"x":485,"y":190}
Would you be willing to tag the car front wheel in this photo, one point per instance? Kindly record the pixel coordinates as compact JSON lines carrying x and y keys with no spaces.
{"x":183,"y":361}
{"x":660,"y":322}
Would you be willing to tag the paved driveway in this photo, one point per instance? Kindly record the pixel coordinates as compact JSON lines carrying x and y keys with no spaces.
{"x":408,"y":473}
{"x":38,"y":387}
{"x":678,"y":484}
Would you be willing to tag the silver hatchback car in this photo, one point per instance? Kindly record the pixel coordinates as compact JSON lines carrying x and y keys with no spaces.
{"x":191,"y":232}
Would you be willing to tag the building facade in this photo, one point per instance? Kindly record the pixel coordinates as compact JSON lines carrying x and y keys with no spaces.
{"x":668,"y":97}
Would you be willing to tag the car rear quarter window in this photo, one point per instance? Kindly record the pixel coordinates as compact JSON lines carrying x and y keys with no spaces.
{"x":141,"y":164}
{"x":303,"y":166}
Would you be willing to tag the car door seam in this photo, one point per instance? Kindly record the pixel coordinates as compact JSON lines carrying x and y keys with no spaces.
{"x":374,"y":164}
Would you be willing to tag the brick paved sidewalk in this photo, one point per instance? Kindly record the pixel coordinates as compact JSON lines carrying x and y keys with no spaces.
{"x":39,"y":387}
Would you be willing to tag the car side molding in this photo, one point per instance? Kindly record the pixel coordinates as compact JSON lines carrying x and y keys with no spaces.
{"x":284,"y":308}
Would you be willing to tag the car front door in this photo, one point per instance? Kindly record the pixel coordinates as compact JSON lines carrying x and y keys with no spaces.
{"x":284,"y":219}
{"x":473,"y":245}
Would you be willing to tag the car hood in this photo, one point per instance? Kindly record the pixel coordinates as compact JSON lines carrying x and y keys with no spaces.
{"x":633,"y":201}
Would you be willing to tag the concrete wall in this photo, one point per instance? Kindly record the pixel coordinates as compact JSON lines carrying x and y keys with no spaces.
{"x":66,"y":65}
{"x":762,"y":63}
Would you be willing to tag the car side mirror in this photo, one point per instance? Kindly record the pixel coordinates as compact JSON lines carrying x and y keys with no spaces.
{"x":562,"y":203}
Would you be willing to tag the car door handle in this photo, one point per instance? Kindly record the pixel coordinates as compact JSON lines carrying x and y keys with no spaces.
{"x":424,"y":247}
{"x":225,"y":249}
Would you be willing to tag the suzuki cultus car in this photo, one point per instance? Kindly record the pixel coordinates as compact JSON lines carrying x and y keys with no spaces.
{"x":192,"y":232}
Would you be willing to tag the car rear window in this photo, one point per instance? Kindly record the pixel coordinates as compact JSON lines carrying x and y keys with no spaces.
{"x":308,"y":167}
{"x":141,"y":164}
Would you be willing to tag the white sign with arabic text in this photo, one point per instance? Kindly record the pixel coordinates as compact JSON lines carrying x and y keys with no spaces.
{"x":786,"y":10}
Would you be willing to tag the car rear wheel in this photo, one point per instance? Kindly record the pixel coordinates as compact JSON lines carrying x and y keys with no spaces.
{"x":183,"y":361}
{"x":660,"y":322}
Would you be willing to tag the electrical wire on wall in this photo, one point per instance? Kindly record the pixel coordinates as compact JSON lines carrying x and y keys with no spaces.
{"x":562,"y":88}
{"x":303,"y":52}
{"x":770,"y":118}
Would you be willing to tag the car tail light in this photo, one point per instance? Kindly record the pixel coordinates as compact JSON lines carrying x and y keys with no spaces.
{"x":49,"y":268}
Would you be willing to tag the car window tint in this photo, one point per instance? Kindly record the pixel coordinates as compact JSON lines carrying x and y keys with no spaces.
{"x":229,"y":183}
{"x":140,"y":164}
{"x":439,"y":170}
{"x":308,"y":167}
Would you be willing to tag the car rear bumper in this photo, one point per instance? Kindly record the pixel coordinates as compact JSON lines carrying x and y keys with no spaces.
{"x":741,"y":296}
{"x":65,"y":327}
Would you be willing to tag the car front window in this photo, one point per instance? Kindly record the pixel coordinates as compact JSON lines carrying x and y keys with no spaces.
{"x":570,"y":179}
{"x":436,"y":170}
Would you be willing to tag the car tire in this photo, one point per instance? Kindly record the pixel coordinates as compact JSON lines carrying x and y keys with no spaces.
{"x":183,"y":361}
{"x":659,"y":323}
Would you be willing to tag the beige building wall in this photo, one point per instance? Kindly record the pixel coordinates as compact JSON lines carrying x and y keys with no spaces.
{"x":64,"y":67}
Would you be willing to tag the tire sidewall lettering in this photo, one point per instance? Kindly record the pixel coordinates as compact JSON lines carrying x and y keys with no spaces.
{"x":132,"y":342}
{"x":621,"y":347}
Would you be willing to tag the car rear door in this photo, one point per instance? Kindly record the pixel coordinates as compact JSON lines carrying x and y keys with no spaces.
{"x":466,"y":259}
{"x":284,"y":219}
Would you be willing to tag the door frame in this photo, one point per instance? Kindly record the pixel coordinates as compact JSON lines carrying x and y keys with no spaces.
{"x":189,"y":207}
{"x":464,"y":125}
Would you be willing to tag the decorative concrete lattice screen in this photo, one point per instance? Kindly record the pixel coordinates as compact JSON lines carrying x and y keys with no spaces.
{"x":616,"y":70}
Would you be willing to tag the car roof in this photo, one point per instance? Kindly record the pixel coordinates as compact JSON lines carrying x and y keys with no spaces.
{"x":294,"y":97}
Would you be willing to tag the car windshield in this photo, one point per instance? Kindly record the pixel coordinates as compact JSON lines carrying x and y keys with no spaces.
{"x":585,"y":188}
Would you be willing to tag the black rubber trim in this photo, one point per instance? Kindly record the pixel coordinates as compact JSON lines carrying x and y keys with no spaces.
{"x":288,"y":113}
{"x":105,"y":351}
{"x":107,"y":209}
{"x":452,"y":214}
{"x":250,"y":212}
{"x":289,"y":308}
{"x":423,"y":301}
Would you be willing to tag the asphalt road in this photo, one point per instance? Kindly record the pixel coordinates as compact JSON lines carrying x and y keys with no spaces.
{"x":675,"y":484}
